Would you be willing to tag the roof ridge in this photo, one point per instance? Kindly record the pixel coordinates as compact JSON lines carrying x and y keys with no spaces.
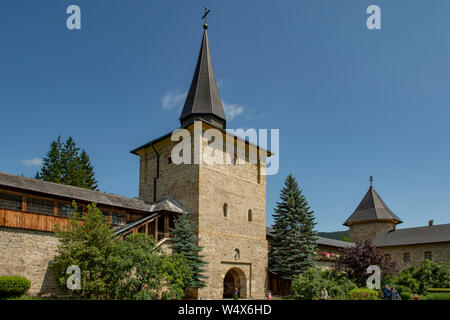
{"x":70,"y":186}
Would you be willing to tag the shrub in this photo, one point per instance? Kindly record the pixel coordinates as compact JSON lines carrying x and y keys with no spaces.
{"x":407,"y":281}
{"x":389,"y":280}
{"x":405,"y":295}
{"x":428,"y":275}
{"x":363,"y":294}
{"x":432,"y":275}
{"x":337,"y":284}
{"x":13,"y":286}
{"x":309,"y":284}
{"x":437,"y":296}
{"x":433,"y":290}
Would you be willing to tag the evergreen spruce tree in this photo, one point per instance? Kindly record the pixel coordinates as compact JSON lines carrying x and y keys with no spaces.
{"x":52,"y":166}
{"x":88,"y":176}
{"x":294,"y":245}
{"x":72,"y":174}
{"x":66,"y":165}
{"x":185,"y":243}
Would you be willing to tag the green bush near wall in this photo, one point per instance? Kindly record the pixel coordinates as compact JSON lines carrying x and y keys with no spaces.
{"x":437,"y":296}
{"x":13,"y":286}
{"x":363,"y":294}
{"x":405,"y":295}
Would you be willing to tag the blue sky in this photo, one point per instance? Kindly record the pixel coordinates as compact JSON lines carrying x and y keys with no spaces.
{"x":349,"y":102}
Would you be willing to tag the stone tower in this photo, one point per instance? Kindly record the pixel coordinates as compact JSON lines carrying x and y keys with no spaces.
{"x":371,"y":218}
{"x":227,"y":201}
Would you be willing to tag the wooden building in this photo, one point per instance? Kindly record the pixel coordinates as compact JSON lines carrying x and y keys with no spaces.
{"x":30,"y":209}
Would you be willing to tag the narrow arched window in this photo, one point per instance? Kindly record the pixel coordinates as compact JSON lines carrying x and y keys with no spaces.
{"x":225,"y":210}
{"x":237,"y":254}
{"x":250,"y":215}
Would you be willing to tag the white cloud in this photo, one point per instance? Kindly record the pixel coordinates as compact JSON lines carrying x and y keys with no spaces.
{"x":32,"y":162}
{"x":170,"y":100}
{"x":232,"y":110}
{"x":220,"y":83}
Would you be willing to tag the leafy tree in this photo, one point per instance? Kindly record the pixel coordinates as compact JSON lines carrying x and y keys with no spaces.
{"x":133,"y":268}
{"x":185,"y":243}
{"x":406,"y":281}
{"x":432,"y":275}
{"x":294,"y":247}
{"x":428,"y":275}
{"x":65,"y":164}
{"x":143,"y":271}
{"x":88,"y":243}
{"x":355,"y":260}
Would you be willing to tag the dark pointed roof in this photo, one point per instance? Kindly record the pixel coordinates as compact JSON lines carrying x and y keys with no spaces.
{"x":372,"y":208}
{"x":203,"y":100}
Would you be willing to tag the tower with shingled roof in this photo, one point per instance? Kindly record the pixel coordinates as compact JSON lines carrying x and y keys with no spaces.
{"x":371,"y":218}
{"x":227,"y":201}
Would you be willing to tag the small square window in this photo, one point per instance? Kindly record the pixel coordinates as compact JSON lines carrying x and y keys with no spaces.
{"x":406,"y":257}
{"x":428,"y":255}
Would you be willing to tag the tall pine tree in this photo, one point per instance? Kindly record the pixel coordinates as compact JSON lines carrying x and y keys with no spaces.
{"x":88,"y":177}
{"x":51,"y":169}
{"x":72,"y":172}
{"x":294,"y":245}
{"x":66,"y":165}
{"x":185,"y":242}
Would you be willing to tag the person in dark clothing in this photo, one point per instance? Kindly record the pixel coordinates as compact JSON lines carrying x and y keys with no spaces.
{"x":394,"y":294}
{"x":386,"y":291}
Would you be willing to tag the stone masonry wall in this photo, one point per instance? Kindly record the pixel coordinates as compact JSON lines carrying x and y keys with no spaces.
{"x":27,"y":253}
{"x":440,"y":252}
{"x":203,"y":190}
{"x":242,"y":188}
{"x":369,"y":230}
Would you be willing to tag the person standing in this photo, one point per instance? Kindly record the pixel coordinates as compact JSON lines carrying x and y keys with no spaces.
{"x":386,"y":292}
{"x":324,"y":294}
{"x":394,"y":294}
{"x":236,"y":293}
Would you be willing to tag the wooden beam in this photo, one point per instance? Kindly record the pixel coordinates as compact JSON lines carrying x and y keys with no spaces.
{"x":166,"y":225}
{"x":156,"y":229}
{"x":24,"y":203}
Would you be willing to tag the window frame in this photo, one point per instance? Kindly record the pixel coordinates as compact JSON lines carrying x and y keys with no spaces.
{"x":11,"y":195}
{"x":406,"y":257}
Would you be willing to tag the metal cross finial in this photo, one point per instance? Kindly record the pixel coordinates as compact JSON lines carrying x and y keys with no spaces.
{"x":205,"y":14}
{"x":371,"y":180}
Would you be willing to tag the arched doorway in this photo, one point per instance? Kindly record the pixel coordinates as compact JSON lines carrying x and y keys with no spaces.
{"x":235,"y":277}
